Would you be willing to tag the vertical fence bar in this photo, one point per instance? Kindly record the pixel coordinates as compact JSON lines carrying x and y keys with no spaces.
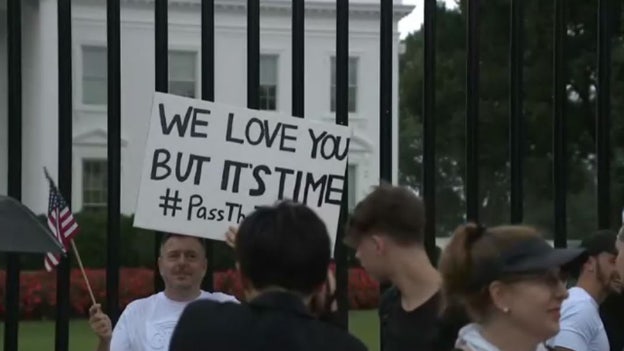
{"x":162,"y":85}
{"x":342,"y":118}
{"x":207,"y":48}
{"x":603,"y":111}
{"x":114,"y":158}
{"x":253,"y":53}
{"x":385,"y":108}
{"x":472,"y":112}
{"x":429,"y":130}
{"x":14,"y":58}
{"x":298,"y":57}
{"x":207,"y":92}
{"x":559,"y":128}
{"x":385,"y":92}
{"x":516,"y":116}
{"x":64,"y":162}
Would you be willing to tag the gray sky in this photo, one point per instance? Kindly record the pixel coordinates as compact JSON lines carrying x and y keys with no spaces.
{"x":414,"y":20}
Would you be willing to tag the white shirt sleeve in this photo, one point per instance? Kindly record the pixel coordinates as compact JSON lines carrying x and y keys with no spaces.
{"x":577,"y":328}
{"x":120,"y":340}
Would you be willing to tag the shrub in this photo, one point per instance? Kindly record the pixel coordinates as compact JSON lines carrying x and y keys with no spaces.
{"x":38,"y":290}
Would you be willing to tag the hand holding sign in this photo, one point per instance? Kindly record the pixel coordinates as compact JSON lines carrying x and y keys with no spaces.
{"x":207,"y":165}
{"x":230,"y":237}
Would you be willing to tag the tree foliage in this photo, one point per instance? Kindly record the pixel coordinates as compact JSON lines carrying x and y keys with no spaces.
{"x":580,"y":114}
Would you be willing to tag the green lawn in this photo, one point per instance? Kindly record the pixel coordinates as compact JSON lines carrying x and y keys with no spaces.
{"x":365,"y":326}
{"x":35,"y":336}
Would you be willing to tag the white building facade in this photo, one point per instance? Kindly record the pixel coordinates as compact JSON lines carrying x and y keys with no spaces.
{"x":89,"y":174}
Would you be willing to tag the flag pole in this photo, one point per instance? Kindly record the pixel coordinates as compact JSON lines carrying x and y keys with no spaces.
{"x":84,"y":274}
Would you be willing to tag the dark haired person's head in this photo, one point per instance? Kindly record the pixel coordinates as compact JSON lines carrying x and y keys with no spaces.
{"x":389,"y":220}
{"x":599,"y":270}
{"x":182,"y":264}
{"x":285,"y":246}
{"x":508,"y":278}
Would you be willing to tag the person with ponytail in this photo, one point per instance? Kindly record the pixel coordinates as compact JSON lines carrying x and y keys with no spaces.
{"x":511,"y":283}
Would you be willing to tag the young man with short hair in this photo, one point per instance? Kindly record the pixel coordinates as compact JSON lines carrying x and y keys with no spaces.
{"x":581,"y":328}
{"x":283,"y":254}
{"x":387,"y":232}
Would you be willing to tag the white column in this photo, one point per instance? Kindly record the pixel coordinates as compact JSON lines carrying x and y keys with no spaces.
{"x":40,"y":127}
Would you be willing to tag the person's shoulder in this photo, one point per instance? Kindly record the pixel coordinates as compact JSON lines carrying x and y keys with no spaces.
{"x":579,"y":318}
{"x":218,"y":297}
{"x":225,"y":321}
{"x":213,"y":314}
{"x":577,"y":294}
{"x":341,"y":339}
{"x":225,"y":309}
{"x":577,"y":304}
{"x":353,"y":344}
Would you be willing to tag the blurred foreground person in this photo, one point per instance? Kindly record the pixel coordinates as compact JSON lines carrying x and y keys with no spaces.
{"x":612,"y":309}
{"x":582,"y":328}
{"x":512,"y":283}
{"x":612,"y":315}
{"x":387,"y":232}
{"x":323,"y":304}
{"x":283,"y":254}
{"x":146,"y":324}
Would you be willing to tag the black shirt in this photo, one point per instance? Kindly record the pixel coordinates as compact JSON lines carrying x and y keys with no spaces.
{"x":272,"y":321}
{"x":429,"y":327}
{"x":612,"y":315}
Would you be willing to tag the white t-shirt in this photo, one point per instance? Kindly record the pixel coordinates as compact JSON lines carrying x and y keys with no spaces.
{"x":147,"y":324}
{"x":581,"y":328}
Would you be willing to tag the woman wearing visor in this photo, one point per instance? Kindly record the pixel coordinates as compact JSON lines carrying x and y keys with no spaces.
{"x":511,"y":282}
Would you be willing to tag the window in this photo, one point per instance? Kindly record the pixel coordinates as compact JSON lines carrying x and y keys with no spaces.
{"x":352,"y":176}
{"x":268,"y":82}
{"x":182,"y":69}
{"x":353,"y":71}
{"x":94,"y":184}
{"x":94,"y":75}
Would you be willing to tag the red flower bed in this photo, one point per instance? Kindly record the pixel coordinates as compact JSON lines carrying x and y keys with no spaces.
{"x":38,"y":290}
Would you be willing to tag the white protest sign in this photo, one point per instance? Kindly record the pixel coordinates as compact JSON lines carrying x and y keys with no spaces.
{"x":207,"y":165}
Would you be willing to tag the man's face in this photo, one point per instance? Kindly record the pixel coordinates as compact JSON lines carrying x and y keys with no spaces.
{"x":606,"y":272}
{"x":182,"y":263}
{"x":370,"y":251}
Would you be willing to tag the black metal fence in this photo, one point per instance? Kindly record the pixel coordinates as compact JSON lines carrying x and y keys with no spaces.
{"x":516,"y":116}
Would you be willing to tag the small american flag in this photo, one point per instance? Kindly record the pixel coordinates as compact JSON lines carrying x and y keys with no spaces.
{"x":61,"y":222}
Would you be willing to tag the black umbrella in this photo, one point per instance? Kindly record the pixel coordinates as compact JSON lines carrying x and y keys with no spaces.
{"x":21,"y":231}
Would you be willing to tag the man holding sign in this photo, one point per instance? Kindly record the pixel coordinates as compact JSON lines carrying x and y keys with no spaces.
{"x":146,"y":324}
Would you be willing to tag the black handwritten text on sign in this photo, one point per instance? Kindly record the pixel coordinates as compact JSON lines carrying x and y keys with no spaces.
{"x":330,"y":186}
{"x":183,"y":169}
{"x":328,"y":146}
{"x":193,"y":114}
{"x":258,"y":131}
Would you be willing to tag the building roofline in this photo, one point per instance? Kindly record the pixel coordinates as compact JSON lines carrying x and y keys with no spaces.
{"x":314,"y":6}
